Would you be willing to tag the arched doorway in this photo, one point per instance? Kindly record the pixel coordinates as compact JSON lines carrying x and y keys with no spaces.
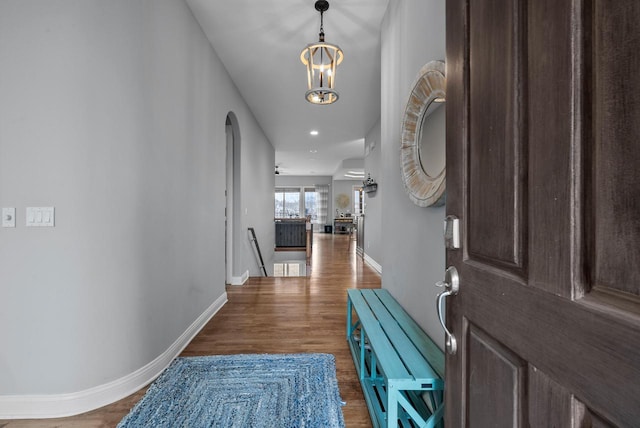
{"x":232,"y":195}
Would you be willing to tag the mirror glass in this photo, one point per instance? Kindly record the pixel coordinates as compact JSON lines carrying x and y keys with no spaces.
{"x":432,"y":143}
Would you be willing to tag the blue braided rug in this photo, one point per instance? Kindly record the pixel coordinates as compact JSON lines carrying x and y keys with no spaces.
{"x":283,"y":391}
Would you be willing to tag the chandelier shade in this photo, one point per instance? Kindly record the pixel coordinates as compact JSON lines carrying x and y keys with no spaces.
{"x":321,"y":60}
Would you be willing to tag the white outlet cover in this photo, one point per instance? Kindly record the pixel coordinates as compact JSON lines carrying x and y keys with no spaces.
{"x":8,"y":217}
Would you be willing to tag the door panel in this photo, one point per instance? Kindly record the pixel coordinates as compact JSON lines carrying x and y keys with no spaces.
{"x":490,"y":363}
{"x":554,"y":115}
{"x":495,"y":121}
{"x":543,"y":148}
{"x":616,"y":111}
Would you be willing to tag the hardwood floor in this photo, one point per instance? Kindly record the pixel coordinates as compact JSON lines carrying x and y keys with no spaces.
{"x":274,"y":315}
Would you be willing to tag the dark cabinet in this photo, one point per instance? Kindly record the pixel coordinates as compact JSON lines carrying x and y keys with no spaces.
{"x":291,"y":232}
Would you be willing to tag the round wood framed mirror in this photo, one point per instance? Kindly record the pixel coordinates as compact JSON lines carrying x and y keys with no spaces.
{"x":422,"y":147}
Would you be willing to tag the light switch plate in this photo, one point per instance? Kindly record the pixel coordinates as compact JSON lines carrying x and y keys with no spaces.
{"x":40,"y":216}
{"x":8,"y":217}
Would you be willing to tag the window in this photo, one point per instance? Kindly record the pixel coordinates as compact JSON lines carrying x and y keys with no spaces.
{"x":287,"y":202}
{"x":311,"y":204}
{"x":322,"y":200}
{"x":301,"y":202}
{"x":358,"y":200}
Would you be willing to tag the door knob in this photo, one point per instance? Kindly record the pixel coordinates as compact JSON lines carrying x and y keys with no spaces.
{"x":451,"y":286}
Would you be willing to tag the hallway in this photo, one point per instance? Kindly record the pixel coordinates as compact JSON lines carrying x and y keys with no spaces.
{"x":275,"y":315}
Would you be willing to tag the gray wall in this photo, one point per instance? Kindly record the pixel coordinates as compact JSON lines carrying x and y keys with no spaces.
{"x":413,"y":33}
{"x":256,"y":188}
{"x":114,"y":113}
{"x":339,"y":187}
{"x":373,"y":201}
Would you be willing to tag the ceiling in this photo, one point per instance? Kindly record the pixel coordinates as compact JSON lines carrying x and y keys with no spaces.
{"x":260,"y":43}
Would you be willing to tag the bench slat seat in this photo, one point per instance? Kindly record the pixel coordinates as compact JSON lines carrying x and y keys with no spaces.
{"x":385,"y":350}
{"x":425,"y":344}
{"x":401,"y":369}
{"x":413,"y":360}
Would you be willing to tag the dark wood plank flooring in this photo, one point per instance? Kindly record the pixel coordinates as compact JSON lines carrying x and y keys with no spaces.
{"x":274,"y":315}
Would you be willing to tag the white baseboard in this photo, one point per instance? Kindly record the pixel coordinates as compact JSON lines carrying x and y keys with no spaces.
{"x":240,"y":280}
{"x":62,"y":405}
{"x":374,"y":265}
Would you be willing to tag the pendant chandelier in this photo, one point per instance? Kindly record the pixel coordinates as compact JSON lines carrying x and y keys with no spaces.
{"x":321,"y":60}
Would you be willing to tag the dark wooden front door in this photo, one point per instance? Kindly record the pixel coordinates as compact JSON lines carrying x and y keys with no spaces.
{"x":543,"y":170}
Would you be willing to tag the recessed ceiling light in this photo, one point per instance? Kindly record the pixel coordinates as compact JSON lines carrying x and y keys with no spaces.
{"x":313,"y":132}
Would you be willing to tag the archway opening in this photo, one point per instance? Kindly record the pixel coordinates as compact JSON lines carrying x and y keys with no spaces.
{"x":232,"y":198}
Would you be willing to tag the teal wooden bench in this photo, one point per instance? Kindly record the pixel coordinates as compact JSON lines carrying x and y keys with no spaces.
{"x":401,"y":369}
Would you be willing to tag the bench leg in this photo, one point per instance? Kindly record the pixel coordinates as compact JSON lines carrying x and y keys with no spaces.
{"x":349,"y":319}
{"x":392,"y":406}
{"x":363,"y":367}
